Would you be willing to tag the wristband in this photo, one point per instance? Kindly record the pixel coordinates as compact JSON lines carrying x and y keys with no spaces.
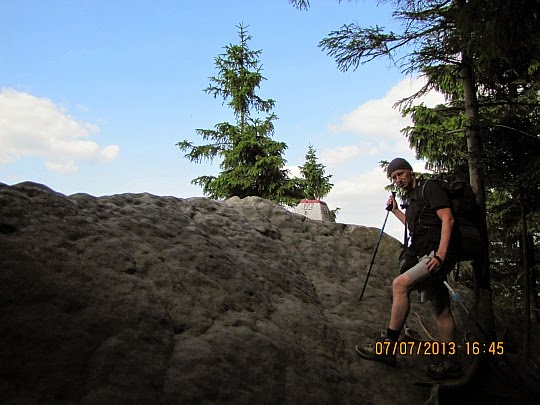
{"x":438,"y":259}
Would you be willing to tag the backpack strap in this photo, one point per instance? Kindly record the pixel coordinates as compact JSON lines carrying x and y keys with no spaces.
{"x":424,"y":187}
{"x":405,"y":236}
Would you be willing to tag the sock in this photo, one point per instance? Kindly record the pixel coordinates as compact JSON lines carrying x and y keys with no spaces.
{"x":393,"y":334}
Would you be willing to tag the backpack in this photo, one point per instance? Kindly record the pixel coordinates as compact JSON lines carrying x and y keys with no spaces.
{"x":466,"y":213}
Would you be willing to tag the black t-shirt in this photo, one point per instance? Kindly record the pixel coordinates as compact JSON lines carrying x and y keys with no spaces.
{"x":421,"y":215}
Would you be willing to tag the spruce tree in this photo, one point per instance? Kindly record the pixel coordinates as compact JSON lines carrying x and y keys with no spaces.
{"x":316,"y":184}
{"x":252,"y":162}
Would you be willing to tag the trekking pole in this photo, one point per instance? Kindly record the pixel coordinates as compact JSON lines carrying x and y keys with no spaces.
{"x":456,"y":297}
{"x":388,"y":209}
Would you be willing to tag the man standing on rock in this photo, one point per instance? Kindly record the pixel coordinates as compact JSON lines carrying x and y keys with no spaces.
{"x":429,"y":220}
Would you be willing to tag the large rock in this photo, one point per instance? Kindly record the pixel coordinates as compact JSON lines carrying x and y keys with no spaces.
{"x":140,"y":299}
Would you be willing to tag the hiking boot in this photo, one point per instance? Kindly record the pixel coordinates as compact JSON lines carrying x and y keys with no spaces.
{"x":447,"y":367}
{"x":383,"y":349}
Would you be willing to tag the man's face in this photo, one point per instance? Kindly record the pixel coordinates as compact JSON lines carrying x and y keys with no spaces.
{"x":403,"y":178}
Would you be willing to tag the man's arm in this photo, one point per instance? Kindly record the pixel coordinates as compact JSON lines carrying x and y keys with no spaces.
{"x":395,"y":209}
{"x":447,"y":219}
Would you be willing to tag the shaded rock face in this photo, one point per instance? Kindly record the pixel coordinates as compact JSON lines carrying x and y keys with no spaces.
{"x":136,"y":298}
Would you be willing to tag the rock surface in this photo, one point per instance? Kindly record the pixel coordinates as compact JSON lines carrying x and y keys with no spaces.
{"x":140,"y":299}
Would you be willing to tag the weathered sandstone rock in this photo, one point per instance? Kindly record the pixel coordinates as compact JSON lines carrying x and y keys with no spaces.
{"x":140,"y":299}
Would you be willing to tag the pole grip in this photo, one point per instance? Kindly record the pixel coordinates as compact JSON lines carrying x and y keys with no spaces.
{"x":390,"y":206}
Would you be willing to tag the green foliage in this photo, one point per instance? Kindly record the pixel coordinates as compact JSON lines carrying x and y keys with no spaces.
{"x":445,"y":79}
{"x":427,"y":38}
{"x":316,"y":184}
{"x":497,"y":40}
{"x":500,"y":34}
{"x":252,"y":163}
{"x":437,"y":135}
{"x":334,"y":213}
{"x":484,"y":57}
{"x":504,"y":224}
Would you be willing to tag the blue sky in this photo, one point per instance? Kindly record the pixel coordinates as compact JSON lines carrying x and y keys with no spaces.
{"x":94,"y":95}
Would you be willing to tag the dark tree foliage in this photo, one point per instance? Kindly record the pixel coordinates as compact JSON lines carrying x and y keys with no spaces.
{"x":484,"y":55}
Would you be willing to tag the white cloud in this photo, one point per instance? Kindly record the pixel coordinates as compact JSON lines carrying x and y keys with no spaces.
{"x":375,"y":127}
{"x":378,"y":119}
{"x":294,"y":171}
{"x":376,"y":124}
{"x":339,"y":154}
{"x":109,"y":153}
{"x":32,"y":126}
{"x":361,"y":185}
{"x":362,"y":200}
{"x":61,"y":167}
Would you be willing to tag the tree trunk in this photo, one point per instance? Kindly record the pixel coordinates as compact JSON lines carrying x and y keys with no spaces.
{"x":526,"y":279}
{"x":484,"y":307}
{"x":534,"y":294}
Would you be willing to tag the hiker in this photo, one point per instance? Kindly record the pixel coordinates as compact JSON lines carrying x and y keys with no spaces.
{"x":430,"y":257}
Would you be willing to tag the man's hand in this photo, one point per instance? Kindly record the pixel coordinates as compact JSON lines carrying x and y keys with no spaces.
{"x":391,"y":204}
{"x":435,"y":263}
{"x":447,"y":220}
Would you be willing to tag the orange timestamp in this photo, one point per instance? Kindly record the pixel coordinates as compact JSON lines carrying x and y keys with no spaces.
{"x":478,"y":348}
{"x":434,"y":348}
{"x":415,"y":348}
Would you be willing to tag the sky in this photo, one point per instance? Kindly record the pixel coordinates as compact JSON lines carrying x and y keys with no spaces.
{"x":95,"y":94}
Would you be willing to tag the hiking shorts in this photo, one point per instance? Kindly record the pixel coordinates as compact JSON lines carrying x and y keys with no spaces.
{"x":431,"y":283}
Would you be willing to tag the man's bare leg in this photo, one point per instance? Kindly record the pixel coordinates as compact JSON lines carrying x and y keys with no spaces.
{"x":401,"y":288}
